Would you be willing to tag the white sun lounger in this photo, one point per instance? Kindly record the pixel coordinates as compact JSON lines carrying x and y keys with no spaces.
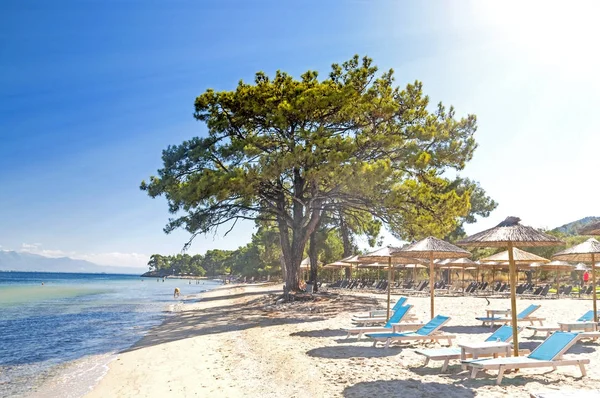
{"x":548,"y":354}
{"x":429,"y":332}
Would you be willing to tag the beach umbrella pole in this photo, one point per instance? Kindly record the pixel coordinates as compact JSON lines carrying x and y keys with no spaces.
{"x":389,"y":286}
{"x":557,"y":285}
{"x":431,"y":284}
{"x":513,"y":298}
{"x":594,"y":287}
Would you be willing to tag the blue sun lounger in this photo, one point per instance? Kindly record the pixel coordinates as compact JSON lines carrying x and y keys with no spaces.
{"x":428,"y":332}
{"x":504,"y":334}
{"x":547,"y":354}
{"x":394,"y":320}
{"x":380,"y":313}
{"x":586,"y":320}
{"x":523,"y":316}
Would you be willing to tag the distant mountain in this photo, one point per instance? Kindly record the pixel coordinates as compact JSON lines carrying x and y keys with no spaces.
{"x":574,"y":227}
{"x":18,"y":261}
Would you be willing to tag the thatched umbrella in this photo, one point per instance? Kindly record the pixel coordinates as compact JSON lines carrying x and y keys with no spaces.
{"x":509,"y":233}
{"x":519,"y":257}
{"x":462,"y":264}
{"x":433,"y":248}
{"x":587,"y":252}
{"x":386,"y":254}
{"x":556,"y":266}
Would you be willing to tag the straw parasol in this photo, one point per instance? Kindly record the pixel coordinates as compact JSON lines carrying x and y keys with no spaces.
{"x":509,"y":233}
{"x":587,"y":251}
{"x":557,"y":266}
{"x":337,"y":265}
{"x":519,"y":257}
{"x":386,"y":254}
{"x":433,"y":248}
{"x":462,"y":264}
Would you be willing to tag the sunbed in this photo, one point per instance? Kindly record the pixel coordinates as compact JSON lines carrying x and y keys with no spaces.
{"x":547,"y":354}
{"x":381,"y":313}
{"x":523,"y":316}
{"x":502,"y":334}
{"x":428,"y":332}
{"x":586,"y":322}
{"x":394,"y":323}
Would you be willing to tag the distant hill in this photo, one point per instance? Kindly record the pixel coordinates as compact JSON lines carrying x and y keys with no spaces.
{"x":18,"y":261}
{"x":574,"y":227}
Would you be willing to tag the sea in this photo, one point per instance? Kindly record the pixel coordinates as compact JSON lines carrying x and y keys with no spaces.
{"x":61,"y":330}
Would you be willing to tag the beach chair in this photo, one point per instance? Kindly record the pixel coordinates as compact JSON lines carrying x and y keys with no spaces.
{"x":588,"y":317}
{"x":395,"y":321}
{"x":523,"y":316}
{"x":428,"y":332}
{"x":547,"y":354}
{"x":503,"y":333}
{"x":382,"y":313}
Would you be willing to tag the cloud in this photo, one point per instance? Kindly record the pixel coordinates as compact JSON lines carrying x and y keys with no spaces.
{"x":117,"y":259}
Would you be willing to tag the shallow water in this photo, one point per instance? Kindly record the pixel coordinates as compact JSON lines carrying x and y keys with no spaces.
{"x":72,"y":317}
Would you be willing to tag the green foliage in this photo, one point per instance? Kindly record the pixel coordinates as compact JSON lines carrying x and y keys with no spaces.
{"x":180,"y":264}
{"x":290,"y":151}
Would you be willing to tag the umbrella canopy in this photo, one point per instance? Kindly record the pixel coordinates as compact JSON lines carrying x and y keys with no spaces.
{"x":351,"y":259}
{"x":591,"y":229}
{"x":386,"y":254}
{"x":459,"y":262}
{"x":555,"y":265}
{"x":416,"y":265}
{"x":510,"y":233}
{"x":588,"y":251}
{"x":519,"y":257}
{"x":338,"y":264}
{"x":433,"y":248}
{"x":372,"y":265}
{"x":581,"y":267}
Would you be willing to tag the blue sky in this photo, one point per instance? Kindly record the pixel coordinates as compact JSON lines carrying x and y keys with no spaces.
{"x":93,"y":90}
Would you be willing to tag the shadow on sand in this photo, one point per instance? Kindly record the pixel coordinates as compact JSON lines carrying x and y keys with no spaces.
{"x":320,"y":333}
{"x":406,"y":388}
{"x":258,"y":312}
{"x":472,"y":329}
{"x":347,"y":352}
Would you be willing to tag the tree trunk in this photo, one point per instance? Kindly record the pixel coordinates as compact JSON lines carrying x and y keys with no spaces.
{"x":312,"y":255}
{"x":347,"y":243}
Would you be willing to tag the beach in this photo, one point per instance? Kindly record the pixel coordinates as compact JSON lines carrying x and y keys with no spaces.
{"x":236,"y":341}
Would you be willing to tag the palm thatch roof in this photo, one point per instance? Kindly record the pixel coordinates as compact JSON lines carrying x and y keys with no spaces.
{"x":520,"y":257}
{"x":581,"y":267}
{"x":510,"y":231}
{"x":384,"y":254}
{"x":338,"y":264}
{"x":351,"y":259}
{"x":581,"y":252}
{"x":459,"y":262}
{"x":372,"y":265}
{"x":555,"y":265}
{"x":415,"y":265}
{"x":430,"y":246}
{"x":591,"y":229}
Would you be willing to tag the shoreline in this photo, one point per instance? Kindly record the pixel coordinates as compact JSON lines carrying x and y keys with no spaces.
{"x":78,"y":377}
{"x":235,"y":341}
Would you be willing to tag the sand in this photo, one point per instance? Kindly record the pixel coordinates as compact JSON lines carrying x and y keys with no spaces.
{"x":236,"y":342}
